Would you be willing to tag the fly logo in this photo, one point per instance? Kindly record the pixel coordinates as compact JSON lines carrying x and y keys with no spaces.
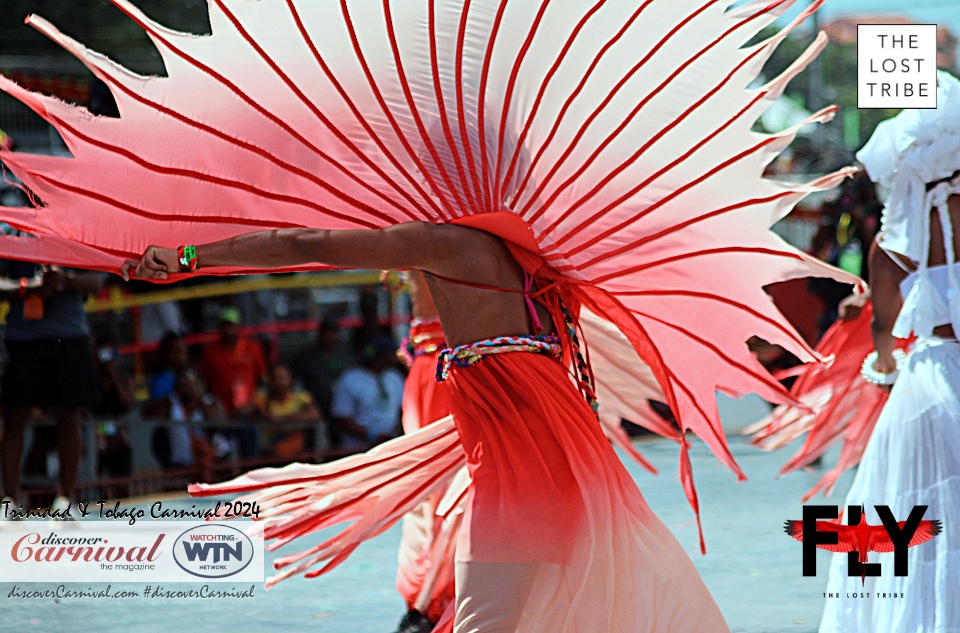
{"x":859,"y":538}
{"x":213,"y":551}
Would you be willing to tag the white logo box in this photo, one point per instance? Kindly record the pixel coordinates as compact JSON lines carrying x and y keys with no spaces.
{"x":150,"y":551}
{"x":897,"y":66}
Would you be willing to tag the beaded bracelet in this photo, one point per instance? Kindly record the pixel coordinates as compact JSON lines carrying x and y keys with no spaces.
{"x":870,"y":373}
{"x":187,"y":256}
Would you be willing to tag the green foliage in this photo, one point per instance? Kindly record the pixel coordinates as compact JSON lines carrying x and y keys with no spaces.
{"x":839,"y":71}
{"x":98,"y":25}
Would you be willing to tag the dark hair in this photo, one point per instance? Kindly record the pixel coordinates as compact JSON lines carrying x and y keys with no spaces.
{"x":931,"y":185}
{"x":166,"y":343}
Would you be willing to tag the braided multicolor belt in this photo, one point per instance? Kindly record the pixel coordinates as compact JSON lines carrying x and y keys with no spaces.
{"x":473,"y":353}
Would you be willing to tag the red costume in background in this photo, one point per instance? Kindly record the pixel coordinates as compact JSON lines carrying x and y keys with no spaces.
{"x":425,"y":571}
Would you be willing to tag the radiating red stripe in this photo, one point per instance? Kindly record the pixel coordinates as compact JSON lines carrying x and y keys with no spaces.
{"x":250,"y":148}
{"x":719,"y":299}
{"x":643,"y":148}
{"x":383,"y":105}
{"x":165,"y":217}
{"x":371,"y":133}
{"x":305,"y":524}
{"x":442,"y":110}
{"x":572,"y":97}
{"x":508,"y":98}
{"x":673,"y":194}
{"x":643,"y":102}
{"x":414,"y":112}
{"x":706,"y":419}
{"x":457,"y":503}
{"x":462,"y":112}
{"x":678,"y":227}
{"x":698,"y":253}
{"x":482,"y":106}
{"x":302,"y":97}
{"x":765,"y":379}
{"x":222,"y":182}
{"x":123,"y":254}
{"x":658,"y":365}
{"x":543,"y":87}
{"x":219,"y":489}
{"x":418,"y":492}
{"x":603,"y":104}
{"x":264,"y":112}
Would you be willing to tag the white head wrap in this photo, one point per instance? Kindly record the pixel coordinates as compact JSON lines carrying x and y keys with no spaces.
{"x":905,"y":153}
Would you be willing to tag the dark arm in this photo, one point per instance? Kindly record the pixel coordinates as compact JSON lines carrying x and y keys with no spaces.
{"x":351,"y":428}
{"x":126,"y":389}
{"x":420,"y":245}
{"x":59,"y":279}
{"x":885,"y":278}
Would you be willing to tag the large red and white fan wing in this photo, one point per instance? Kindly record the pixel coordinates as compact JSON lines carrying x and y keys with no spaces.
{"x":843,"y":407}
{"x":619,"y":131}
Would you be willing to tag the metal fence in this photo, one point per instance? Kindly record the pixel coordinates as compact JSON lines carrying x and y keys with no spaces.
{"x":147,"y":476}
{"x":28,"y":130}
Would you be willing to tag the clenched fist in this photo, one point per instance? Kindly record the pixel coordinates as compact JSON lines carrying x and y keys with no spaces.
{"x":155,"y":263}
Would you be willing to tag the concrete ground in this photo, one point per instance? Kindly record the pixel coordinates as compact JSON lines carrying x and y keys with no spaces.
{"x":752,"y":568}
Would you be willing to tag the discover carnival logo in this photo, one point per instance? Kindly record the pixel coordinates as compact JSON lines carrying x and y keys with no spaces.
{"x":213,"y":551}
{"x":115,"y":551}
{"x":31,"y":547}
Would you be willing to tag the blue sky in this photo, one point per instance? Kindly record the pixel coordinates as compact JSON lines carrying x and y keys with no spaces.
{"x":942,"y":12}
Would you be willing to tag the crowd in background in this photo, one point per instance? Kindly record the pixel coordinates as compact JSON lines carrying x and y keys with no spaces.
{"x":235,"y":400}
{"x":208,"y":405}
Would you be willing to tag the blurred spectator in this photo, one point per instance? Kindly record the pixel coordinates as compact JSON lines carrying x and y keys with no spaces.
{"x":279,"y":403}
{"x":117,"y":398}
{"x":49,"y":366}
{"x":186,"y":445}
{"x":156,"y":319}
{"x":847,"y":228}
{"x":174,"y":358}
{"x":367,"y":398}
{"x":370,"y":326}
{"x":319,"y":367}
{"x":233,"y":367}
{"x":263,"y":307}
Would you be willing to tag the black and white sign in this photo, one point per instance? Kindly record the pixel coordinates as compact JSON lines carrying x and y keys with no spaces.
{"x":896,"y":65}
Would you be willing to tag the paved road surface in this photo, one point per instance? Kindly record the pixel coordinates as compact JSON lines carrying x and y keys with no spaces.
{"x":751,"y":566}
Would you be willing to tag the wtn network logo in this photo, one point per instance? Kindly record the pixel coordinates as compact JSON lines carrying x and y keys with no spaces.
{"x":200,"y":551}
{"x":213,"y":551}
{"x":858,"y":538}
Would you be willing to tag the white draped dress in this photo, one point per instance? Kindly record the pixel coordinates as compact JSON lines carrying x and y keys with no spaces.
{"x":913,"y":457}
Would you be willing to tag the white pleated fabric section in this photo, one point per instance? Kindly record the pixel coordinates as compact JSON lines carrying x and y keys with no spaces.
{"x":913,"y":458}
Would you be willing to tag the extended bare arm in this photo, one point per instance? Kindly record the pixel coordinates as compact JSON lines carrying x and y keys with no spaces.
{"x":410,"y":245}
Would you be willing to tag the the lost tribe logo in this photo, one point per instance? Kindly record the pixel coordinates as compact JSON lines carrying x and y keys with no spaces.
{"x":213,"y":551}
{"x":858,"y":538}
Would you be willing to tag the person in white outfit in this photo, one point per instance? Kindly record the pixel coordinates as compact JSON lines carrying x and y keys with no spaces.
{"x":913,"y":456}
